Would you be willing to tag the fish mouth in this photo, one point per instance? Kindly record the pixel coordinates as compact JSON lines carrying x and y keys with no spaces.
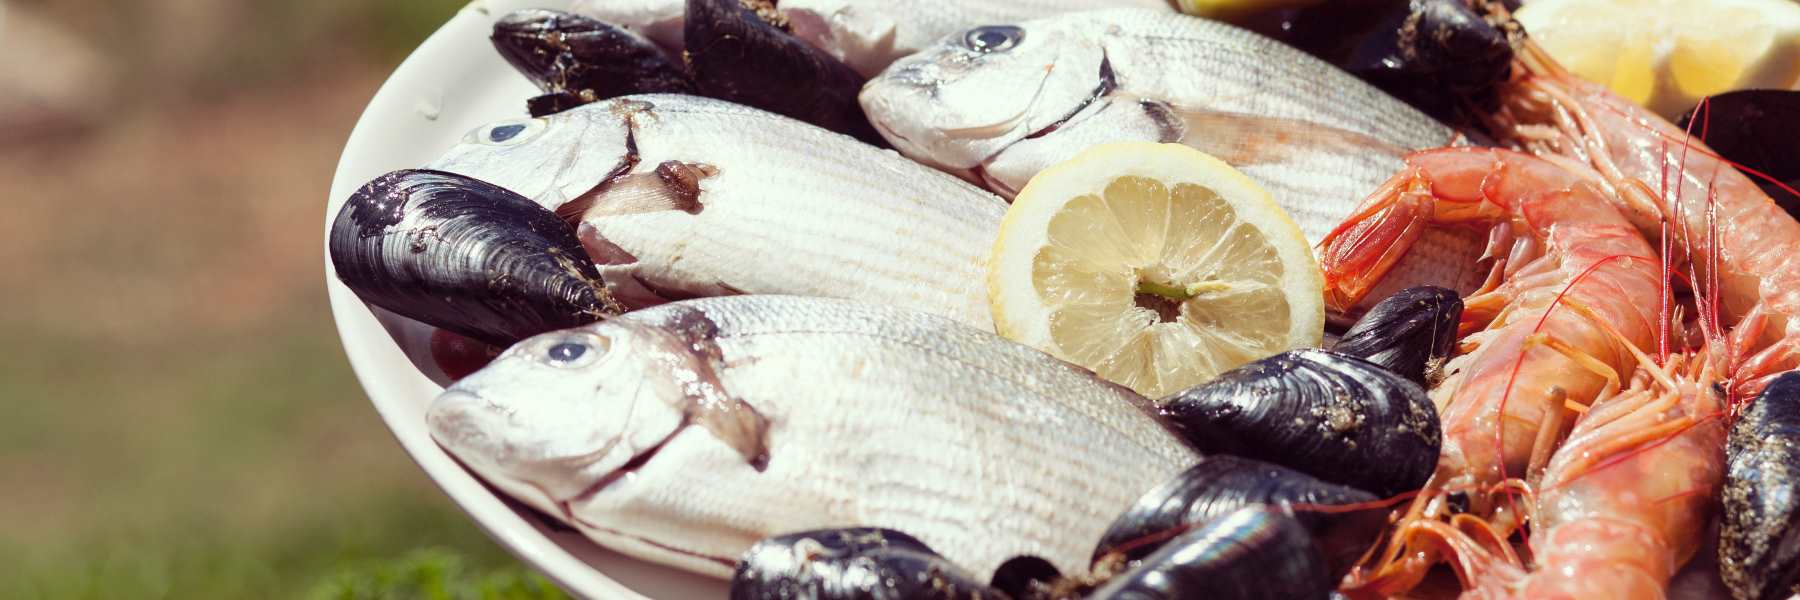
{"x":1108,"y":83}
{"x":1005,"y":125}
{"x":922,"y":81}
{"x":883,"y":128}
{"x":631,"y":466}
{"x":456,"y":415}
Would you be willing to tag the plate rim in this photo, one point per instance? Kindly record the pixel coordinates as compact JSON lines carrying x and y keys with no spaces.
{"x":362,"y":333}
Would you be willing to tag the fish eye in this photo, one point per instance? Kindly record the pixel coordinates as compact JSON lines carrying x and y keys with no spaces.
{"x":573,"y":351}
{"x":567,"y":351}
{"x":993,"y":38}
{"x":505,"y":132}
{"x":508,"y":133}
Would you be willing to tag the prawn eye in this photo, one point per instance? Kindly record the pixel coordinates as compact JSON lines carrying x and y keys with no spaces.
{"x":993,"y":38}
{"x":508,"y":133}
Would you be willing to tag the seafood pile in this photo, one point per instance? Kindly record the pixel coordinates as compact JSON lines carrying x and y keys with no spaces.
{"x":1009,"y":300}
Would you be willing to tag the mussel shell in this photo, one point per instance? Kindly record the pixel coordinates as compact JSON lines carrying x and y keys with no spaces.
{"x":1339,"y":418}
{"x":1410,"y":333}
{"x":1253,"y":553}
{"x":1759,"y":535}
{"x":1438,"y":55}
{"x":855,"y":563}
{"x":1222,"y":484}
{"x":1023,"y":577}
{"x":465,"y":255}
{"x":1759,"y":130}
{"x":734,"y":55}
{"x":576,"y":60}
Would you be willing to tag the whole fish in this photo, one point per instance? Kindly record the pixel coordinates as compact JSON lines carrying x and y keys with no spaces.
{"x":865,"y":34}
{"x":679,"y":197}
{"x":684,"y":433}
{"x":999,"y":103}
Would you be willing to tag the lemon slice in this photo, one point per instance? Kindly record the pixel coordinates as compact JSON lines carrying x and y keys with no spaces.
{"x":1668,"y":54}
{"x":1155,"y":265}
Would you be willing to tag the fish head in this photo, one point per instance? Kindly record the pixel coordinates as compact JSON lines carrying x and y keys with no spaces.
{"x":558,"y":416}
{"x":552,"y":159}
{"x":963,"y":100}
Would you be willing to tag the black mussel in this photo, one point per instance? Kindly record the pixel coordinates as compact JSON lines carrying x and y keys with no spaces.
{"x":857,"y":563}
{"x":576,"y":60}
{"x":1027,"y":577}
{"x":466,"y":256}
{"x":1342,"y":520}
{"x":734,"y":54}
{"x":1252,"y":553}
{"x":1759,"y":130}
{"x":1339,"y":418}
{"x":1759,"y":535}
{"x":1438,"y":55}
{"x":1410,"y":333}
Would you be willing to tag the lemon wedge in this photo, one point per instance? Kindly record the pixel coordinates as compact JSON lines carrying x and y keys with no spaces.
{"x":1668,"y":54}
{"x":1155,"y":265}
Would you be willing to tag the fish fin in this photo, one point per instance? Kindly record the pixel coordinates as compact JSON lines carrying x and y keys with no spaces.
{"x":672,"y":185}
{"x":705,"y":399}
{"x":738,"y":425}
{"x":574,"y":210}
{"x":1243,"y":139}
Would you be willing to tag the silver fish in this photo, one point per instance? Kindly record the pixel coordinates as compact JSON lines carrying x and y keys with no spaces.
{"x":682,"y":434}
{"x":997,"y":104}
{"x":865,"y":34}
{"x":680,"y":197}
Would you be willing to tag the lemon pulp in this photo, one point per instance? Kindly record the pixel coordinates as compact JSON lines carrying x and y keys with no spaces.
{"x":1124,"y":261}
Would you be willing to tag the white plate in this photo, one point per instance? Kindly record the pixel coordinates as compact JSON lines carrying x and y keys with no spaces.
{"x":454,"y":82}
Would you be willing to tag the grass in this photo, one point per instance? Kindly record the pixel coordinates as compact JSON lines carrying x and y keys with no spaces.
{"x":253,"y":473}
{"x":431,"y":574}
{"x":180,"y":421}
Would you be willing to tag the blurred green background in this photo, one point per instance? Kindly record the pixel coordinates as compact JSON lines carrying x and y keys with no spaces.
{"x":179,"y":420}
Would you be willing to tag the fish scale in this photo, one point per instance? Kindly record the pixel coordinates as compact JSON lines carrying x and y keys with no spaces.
{"x":792,"y":208}
{"x":1318,"y":139}
{"x":981,"y":448}
{"x":865,"y":34}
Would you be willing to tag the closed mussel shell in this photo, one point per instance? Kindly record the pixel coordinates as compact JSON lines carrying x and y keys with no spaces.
{"x":1255,"y":552}
{"x":576,"y":60}
{"x":1410,"y":333}
{"x":734,"y":55}
{"x":1024,"y":577}
{"x":1337,"y":516}
{"x":465,"y":255}
{"x":855,"y":563}
{"x":1759,"y":541}
{"x":1438,"y":55}
{"x":1336,"y":417}
{"x":1759,"y":132}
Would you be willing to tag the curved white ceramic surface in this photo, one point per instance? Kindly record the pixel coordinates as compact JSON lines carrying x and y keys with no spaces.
{"x":451,"y":84}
